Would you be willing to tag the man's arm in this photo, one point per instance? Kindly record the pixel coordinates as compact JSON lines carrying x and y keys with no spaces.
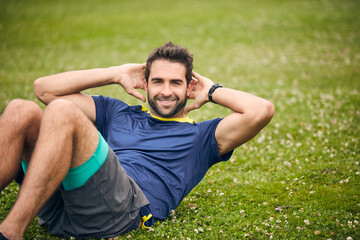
{"x":251,"y":113}
{"x":68,"y":85}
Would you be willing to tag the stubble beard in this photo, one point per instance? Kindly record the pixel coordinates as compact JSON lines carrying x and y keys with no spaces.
{"x":179,"y":106}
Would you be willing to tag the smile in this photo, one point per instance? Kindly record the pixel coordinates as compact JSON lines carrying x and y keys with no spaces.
{"x":166,"y":102}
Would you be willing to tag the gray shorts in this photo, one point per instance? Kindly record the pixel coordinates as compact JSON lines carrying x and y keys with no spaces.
{"x":106,"y":206}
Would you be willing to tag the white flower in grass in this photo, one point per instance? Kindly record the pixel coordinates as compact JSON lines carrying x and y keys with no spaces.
{"x":349,"y":238}
{"x":271,"y":219}
{"x":286,"y":163}
{"x":242,"y":211}
{"x":307,"y":222}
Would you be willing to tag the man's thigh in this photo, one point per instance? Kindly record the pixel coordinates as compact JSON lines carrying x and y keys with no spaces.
{"x":107,"y":205}
{"x":61,"y":115}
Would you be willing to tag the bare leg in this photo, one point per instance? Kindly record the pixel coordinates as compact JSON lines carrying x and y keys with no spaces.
{"x":19,"y":127}
{"x":66,"y":139}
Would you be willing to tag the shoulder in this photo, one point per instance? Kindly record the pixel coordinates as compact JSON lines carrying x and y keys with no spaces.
{"x":103,"y":102}
{"x":107,"y":100}
{"x":209,"y":124}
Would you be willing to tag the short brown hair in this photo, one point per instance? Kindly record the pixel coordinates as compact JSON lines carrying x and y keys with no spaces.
{"x":172,"y":53}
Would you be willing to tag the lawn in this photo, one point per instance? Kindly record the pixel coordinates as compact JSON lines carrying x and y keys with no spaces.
{"x":299,"y":178}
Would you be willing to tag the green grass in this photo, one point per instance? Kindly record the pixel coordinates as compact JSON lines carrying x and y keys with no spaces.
{"x":304,"y":56}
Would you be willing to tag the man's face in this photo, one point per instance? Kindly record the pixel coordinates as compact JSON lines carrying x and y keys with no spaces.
{"x":167,"y":89}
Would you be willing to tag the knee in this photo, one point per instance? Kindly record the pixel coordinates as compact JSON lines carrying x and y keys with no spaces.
{"x":19,"y":104}
{"x":19,"y":109}
{"x":61,"y":107}
{"x":61,"y":110}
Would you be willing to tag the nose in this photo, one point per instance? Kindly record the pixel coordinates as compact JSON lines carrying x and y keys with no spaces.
{"x":166,"y":90}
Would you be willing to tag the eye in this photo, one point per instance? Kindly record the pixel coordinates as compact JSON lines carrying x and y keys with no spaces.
{"x":156,"y":81}
{"x":177,"y":82}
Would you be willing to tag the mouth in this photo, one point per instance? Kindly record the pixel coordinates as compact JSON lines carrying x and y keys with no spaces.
{"x":166,"y":102}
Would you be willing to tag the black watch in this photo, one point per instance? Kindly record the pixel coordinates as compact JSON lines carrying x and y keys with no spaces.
{"x":212,"y":90}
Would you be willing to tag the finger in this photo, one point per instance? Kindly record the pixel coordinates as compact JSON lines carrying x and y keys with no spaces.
{"x":190,"y":108}
{"x":137,"y":65}
{"x":141,"y":85}
{"x":196,"y":75}
{"x":138,"y":95}
{"x":192,"y":95}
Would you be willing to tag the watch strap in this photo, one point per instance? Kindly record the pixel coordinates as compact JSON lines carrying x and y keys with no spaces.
{"x":212,"y":90}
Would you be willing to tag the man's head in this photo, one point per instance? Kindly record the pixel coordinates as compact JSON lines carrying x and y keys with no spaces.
{"x":172,"y":53}
{"x":168,"y":80}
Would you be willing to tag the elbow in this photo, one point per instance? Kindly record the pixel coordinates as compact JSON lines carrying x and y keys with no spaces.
{"x":265,"y":113}
{"x":40,"y":91}
{"x":269,"y":110}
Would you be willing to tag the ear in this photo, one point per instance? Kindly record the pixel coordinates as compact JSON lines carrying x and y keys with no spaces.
{"x":190,"y":88}
{"x":145,"y":86}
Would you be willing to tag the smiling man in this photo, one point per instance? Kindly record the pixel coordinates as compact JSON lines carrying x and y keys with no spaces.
{"x":167,"y":89}
{"x":133,"y":167}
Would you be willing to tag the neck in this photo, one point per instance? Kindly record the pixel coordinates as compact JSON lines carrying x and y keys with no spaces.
{"x":155,"y":115}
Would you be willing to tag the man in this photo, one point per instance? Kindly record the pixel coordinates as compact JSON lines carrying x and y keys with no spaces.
{"x":135,"y":166}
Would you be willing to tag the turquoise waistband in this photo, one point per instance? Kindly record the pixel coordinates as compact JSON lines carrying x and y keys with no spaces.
{"x":79,"y":175}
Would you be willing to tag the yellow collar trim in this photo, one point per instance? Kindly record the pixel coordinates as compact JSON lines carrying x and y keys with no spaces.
{"x":185,"y":119}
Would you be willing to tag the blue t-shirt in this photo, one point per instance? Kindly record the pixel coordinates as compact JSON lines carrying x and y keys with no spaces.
{"x":167,"y":159}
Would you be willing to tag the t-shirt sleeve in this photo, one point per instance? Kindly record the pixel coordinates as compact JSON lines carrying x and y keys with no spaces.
{"x":105,"y":108}
{"x":209,"y":145}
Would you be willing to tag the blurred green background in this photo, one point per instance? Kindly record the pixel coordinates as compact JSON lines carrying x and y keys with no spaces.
{"x":304,"y":56}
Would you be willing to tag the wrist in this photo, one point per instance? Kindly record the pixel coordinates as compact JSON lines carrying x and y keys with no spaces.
{"x":115,"y":74}
{"x":212,"y":90}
